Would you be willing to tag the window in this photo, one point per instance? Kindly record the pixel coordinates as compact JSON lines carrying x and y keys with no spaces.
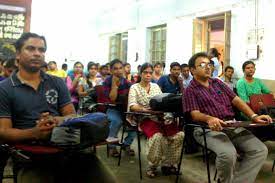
{"x":158,"y":44}
{"x":124,"y":47}
{"x":118,"y":47}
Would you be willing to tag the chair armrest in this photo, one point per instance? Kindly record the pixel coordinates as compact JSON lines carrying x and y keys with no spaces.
{"x":197,"y":124}
{"x":106,"y":104}
{"x":138,"y":113}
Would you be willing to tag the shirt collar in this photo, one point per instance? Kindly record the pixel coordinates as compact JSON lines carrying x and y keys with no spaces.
{"x":16,"y":81}
{"x":188,"y":78}
{"x":196,"y":84}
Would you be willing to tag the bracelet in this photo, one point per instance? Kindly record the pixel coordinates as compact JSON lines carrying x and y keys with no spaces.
{"x":253,"y":116}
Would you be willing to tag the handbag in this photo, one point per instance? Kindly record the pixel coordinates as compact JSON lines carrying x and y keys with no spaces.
{"x":81,"y":132}
{"x":167,"y":102}
{"x":261,"y":101}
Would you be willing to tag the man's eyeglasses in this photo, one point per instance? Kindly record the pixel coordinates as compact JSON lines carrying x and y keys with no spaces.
{"x":148,"y":72}
{"x":205,"y":64}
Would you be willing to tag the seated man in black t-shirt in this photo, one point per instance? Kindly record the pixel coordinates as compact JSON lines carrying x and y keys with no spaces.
{"x":32,"y":104}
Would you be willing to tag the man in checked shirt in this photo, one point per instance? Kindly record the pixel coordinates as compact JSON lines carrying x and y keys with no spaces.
{"x":210,"y":101}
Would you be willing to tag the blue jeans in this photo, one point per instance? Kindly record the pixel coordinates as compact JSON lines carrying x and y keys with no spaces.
{"x":115,"y":118}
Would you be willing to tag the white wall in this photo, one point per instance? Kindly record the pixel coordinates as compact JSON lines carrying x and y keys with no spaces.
{"x":179,"y":41}
{"x":80,"y":30}
{"x":69,"y":28}
{"x":178,"y":16}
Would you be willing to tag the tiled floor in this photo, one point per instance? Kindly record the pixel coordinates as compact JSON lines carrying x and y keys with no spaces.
{"x":193,"y":169}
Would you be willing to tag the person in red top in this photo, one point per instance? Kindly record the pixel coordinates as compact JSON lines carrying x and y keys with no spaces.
{"x":210,"y":101}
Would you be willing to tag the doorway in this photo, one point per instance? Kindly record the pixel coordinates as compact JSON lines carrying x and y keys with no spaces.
{"x":213,"y":32}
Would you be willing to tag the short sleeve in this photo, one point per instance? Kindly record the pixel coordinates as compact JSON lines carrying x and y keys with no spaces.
{"x":156,"y":88}
{"x":132,"y":97}
{"x":161,"y":82}
{"x":5,"y":105}
{"x":64,"y":97}
{"x":241,"y":90}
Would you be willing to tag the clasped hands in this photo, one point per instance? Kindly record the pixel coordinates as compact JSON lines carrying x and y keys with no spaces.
{"x":44,"y":126}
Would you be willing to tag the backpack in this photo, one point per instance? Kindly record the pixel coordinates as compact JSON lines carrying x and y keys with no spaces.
{"x":167,"y":102}
{"x":81,"y":132}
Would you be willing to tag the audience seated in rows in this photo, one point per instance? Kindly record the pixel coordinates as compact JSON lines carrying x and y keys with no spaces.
{"x":206,"y":98}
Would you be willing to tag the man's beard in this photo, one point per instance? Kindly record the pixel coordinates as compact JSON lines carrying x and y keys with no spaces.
{"x":30,"y":69}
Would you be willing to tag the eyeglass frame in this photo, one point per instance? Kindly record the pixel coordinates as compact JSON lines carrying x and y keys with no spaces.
{"x":203,"y":65}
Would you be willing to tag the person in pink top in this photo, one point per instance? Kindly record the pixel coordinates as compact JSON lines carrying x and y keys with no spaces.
{"x":72,"y":81}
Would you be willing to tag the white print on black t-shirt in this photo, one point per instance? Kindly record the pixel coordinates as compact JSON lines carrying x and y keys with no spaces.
{"x":51,"y":96}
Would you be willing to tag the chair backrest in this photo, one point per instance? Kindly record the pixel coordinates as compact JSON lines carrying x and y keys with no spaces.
{"x":191,"y":144}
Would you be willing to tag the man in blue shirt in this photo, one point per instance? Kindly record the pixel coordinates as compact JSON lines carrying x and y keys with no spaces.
{"x":170,"y":83}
